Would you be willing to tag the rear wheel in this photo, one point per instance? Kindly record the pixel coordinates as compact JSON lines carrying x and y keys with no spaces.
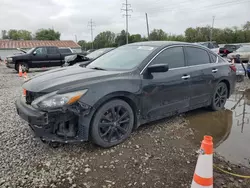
{"x":112,"y":123}
{"x":219,"y":97}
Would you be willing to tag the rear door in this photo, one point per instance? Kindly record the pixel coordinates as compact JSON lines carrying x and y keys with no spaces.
{"x":54,"y":57}
{"x":40,"y":57}
{"x":166,"y":93}
{"x":200,"y":70}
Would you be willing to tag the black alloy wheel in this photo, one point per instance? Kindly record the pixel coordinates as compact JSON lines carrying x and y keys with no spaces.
{"x":112,"y":123}
{"x":220,"y":96}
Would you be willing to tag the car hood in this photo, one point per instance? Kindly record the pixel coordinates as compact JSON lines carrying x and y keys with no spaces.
{"x":68,"y":77}
{"x":17,"y":56}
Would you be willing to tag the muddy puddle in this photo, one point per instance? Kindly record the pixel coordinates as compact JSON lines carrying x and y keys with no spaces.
{"x":230,"y":128}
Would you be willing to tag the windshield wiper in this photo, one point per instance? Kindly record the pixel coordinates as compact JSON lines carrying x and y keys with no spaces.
{"x":97,"y":68}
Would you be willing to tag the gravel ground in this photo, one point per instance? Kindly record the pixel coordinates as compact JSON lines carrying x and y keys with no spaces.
{"x":160,"y":154}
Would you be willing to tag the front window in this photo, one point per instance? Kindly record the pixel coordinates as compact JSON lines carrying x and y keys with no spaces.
{"x":41,"y":51}
{"x":122,"y":58}
{"x":173,"y":57}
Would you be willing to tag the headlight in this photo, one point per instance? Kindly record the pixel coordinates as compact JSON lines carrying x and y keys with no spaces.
{"x":9,"y":59}
{"x":54,"y":100}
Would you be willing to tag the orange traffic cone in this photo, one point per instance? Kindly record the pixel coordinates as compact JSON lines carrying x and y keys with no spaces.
{"x":25,"y":76}
{"x":20,"y":72}
{"x":203,"y":175}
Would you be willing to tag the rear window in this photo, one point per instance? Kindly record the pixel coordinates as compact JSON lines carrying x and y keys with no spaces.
{"x":197,"y":56}
{"x":65,"y":50}
{"x":213,"y":58}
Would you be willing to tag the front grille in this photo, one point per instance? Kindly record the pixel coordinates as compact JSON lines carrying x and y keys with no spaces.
{"x":31,"y":96}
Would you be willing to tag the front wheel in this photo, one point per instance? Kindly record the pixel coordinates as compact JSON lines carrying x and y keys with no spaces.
{"x":112,"y":123}
{"x":219,"y":97}
{"x":24,"y":66}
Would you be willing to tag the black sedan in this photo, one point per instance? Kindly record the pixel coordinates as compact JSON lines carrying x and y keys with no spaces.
{"x":123,"y":89}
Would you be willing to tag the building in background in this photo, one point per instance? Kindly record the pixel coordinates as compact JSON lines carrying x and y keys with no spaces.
{"x":9,"y":47}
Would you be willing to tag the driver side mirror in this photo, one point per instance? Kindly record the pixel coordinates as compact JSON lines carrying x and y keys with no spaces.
{"x":157,"y":68}
{"x":34,"y":53}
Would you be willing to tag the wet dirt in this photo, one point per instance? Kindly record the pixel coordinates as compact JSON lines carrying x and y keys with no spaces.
{"x":230,"y":128}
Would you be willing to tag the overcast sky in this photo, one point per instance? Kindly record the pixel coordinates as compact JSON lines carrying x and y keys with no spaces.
{"x":71,"y":17}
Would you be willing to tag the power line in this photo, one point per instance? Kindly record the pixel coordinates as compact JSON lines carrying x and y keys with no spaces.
{"x":126,"y":9}
{"x":198,"y":9}
{"x":91,"y":24}
{"x":179,"y":7}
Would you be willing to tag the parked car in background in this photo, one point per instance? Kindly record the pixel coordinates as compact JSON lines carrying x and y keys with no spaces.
{"x":213,"y":46}
{"x":123,"y":89}
{"x":42,"y":56}
{"x":90,"y":50}
{"x":228,"y":48}
{"x":85,"y":60}
{"x":244,"y":53}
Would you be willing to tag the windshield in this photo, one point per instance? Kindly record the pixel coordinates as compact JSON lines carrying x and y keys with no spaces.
{"x":243,"y":49}
{"x":29,"y":51}
{"x":97,"y":53}
{"x":122,"y":58}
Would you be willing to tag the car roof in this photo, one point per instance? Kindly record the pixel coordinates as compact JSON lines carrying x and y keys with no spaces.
{"x":163,"y":43}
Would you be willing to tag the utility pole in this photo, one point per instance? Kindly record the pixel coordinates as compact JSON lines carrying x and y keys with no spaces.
{"x":211,"y":32}
{"x":147,"y":24}
{"x":126,"y":9}
{"x":76,"y":38}
{"x":91,"y":25}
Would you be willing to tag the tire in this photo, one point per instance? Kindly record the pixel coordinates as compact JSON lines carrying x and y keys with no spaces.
{"x":112,"y":123}
{"x":248,"y":74}
{"x":25,"y":67}
{"x":219,"y":97}
{"x":17,"y":67}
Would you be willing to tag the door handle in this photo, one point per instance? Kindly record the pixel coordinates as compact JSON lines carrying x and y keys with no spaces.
{"x":185,"y":77}
{"x":214,"y":70}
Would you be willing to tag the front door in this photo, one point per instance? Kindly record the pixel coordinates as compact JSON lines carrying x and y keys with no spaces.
{"x":40,"y":57}
{"x":167,"y":93}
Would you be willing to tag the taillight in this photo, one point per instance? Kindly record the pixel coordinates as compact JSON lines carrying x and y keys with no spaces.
{"x":225,"y":51}
{"x":24,"y":92}
{"x":233,"y":68}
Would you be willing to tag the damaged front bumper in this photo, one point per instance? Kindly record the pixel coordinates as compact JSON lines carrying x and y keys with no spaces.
{"x":62,"y":125}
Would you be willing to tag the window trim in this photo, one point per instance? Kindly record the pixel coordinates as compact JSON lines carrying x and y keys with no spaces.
{"x":185,"y":58}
